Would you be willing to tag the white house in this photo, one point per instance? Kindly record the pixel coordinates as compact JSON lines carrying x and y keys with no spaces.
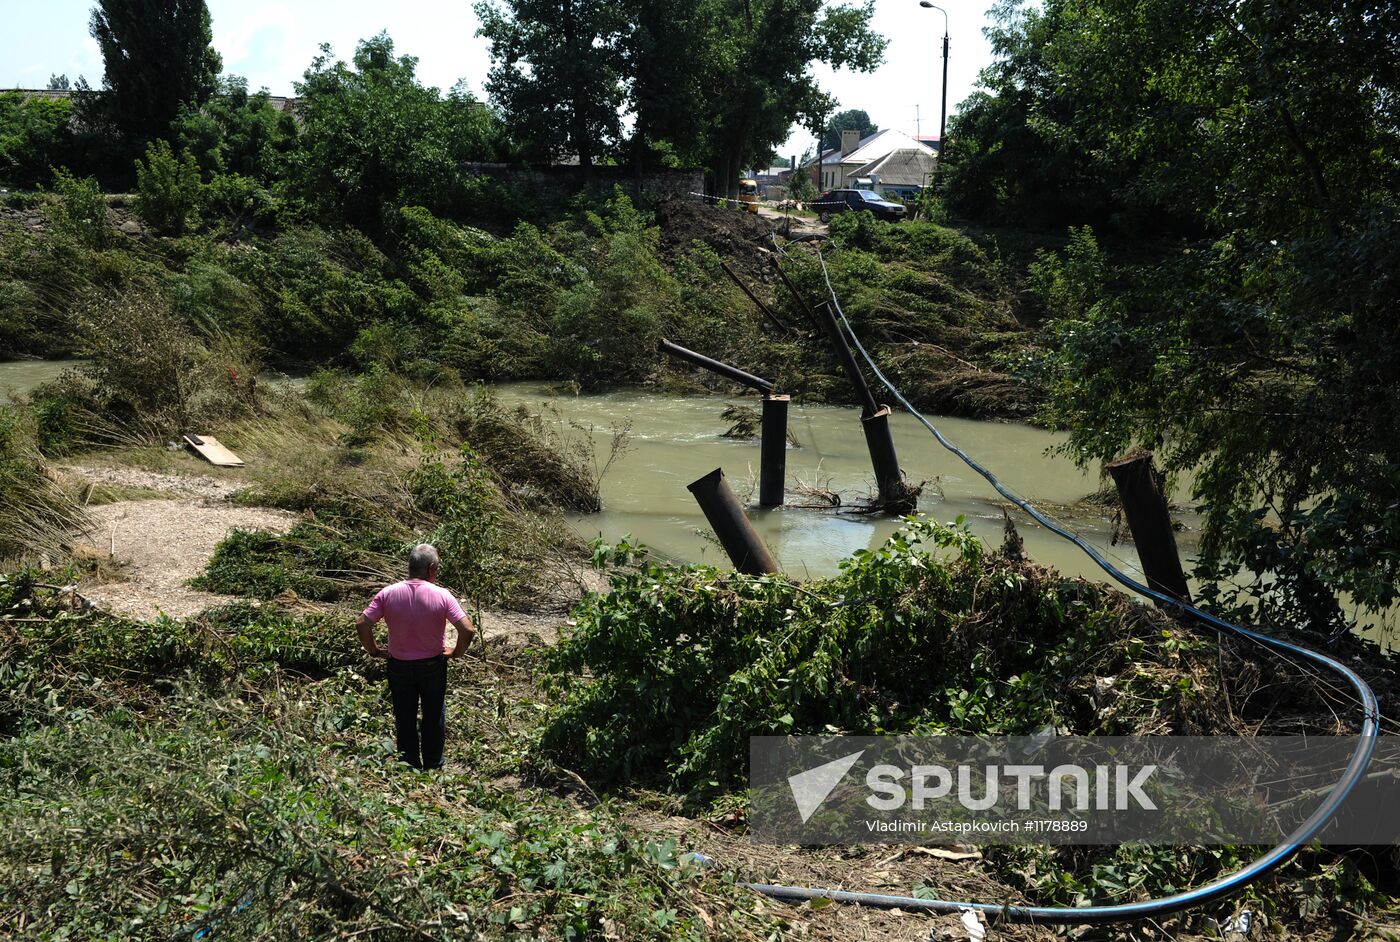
{"x":842,"y":166}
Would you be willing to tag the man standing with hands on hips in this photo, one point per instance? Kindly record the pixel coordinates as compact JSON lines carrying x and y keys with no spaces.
{"x":417,"y":612}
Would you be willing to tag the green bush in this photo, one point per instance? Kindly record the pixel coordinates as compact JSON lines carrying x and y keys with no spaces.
{"x":167,"y":188}
{"x":206,"y":294}
{"x":80,"y":211}
{"x":236,"y":133}
{"x":318,"y":289}
{"x":664,"y":678}
{"x":1069,"y":284}
{"x":605,"y":330}
{"x":238,"y":204}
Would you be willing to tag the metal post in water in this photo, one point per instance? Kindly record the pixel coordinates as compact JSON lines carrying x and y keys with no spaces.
{"x":1150,"y":522}
{"x":895,"y":496}
{"x":715,"y":366}
{"x":772,"y":473}
{"x":740,"y":540}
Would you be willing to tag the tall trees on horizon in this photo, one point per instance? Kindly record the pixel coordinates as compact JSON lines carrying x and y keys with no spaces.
{"x":157,"y":56}
{"x":717,"y":83}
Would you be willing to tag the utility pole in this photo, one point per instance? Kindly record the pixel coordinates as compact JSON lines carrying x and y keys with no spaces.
{"x":943,"y":115}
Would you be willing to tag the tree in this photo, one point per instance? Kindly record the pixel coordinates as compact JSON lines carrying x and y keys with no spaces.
{"x":374,"y":138}
{"x":722,"y":81}
{"x":853,"y":120}
{"x":762,"y":81}
{"x":1249,"y":344}
{"x":235,"y":132}
{"x":557,"y":73}
{"x":157,"y":56}
{"x":672,"y":52}
{"x":35,"y":135}
{"x":59,"y":83}
{"x":711,"y":82}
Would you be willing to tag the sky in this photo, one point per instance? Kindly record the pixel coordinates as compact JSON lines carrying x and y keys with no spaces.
{"x":271,"y":44}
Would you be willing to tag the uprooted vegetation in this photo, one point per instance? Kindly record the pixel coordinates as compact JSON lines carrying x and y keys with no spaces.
{"x":234,"y":770}
{"x":663,"y":679}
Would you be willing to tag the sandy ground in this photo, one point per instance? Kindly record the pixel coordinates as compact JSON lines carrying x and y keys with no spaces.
{"x":161,"y":544}
{"x":189,"y":486}
{"x":164,"y":544}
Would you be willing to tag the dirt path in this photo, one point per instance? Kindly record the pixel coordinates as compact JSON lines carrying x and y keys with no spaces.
{"x":800,"y":226}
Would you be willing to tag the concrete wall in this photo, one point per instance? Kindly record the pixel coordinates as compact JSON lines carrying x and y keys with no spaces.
{"x":553,"y":185}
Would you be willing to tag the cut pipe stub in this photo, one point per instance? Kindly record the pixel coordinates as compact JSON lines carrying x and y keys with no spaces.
{"x":895,"y":495}
{"x":773,"y":451}
{"x":740,"y":540}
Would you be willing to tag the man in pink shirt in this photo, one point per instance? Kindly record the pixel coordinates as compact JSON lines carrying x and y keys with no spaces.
{"x":417,"y":612}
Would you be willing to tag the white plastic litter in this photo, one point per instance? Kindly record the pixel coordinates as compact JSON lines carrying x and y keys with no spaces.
{"x":975,"y":930}
{"x":1241,"y":922}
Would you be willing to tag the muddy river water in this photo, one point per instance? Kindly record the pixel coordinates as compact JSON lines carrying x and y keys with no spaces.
{"x":673,"y":441}
{"x":18,"y":377}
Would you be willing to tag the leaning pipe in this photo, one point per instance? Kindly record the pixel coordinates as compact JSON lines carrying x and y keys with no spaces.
{"x":869,"y":406}
{"x":740,"y":540}
{"x":1220,"y":888}
{"x":895,"y":495}
{"x":715,"y":366}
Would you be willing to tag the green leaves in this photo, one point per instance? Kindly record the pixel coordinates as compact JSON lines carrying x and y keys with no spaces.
{"x":374,"y":138}
{"x":167,"y":188}
{"x":662,"y":680}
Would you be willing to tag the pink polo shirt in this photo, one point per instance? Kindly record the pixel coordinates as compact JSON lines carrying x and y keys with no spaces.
{"x":417,"y":614}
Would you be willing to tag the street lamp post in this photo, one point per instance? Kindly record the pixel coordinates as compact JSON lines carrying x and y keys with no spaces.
{"x":943,"y":114}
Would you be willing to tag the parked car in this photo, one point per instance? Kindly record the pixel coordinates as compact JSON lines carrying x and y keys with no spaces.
{"x":839,"y":201}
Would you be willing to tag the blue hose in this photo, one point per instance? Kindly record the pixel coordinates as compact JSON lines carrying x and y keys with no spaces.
{"x":1084,"y":915}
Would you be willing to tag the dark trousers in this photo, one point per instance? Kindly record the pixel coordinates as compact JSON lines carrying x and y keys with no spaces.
{"x":413,"y":684}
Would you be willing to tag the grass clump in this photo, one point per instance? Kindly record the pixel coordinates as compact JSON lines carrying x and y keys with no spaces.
{"x":408,"y":464}
{"x":38,"y":517}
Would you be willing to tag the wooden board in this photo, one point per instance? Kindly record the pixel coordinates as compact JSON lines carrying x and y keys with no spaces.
{"x":209,"y":448}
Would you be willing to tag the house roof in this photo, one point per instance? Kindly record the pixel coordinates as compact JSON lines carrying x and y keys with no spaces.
{"x":904,"y":167}
{"x":881,"y":144}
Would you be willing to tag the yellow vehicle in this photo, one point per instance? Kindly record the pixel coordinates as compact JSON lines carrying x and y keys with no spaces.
{"x":748,"y":194}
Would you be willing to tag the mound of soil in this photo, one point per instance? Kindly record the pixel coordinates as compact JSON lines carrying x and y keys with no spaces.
{"x":742,"y":239}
